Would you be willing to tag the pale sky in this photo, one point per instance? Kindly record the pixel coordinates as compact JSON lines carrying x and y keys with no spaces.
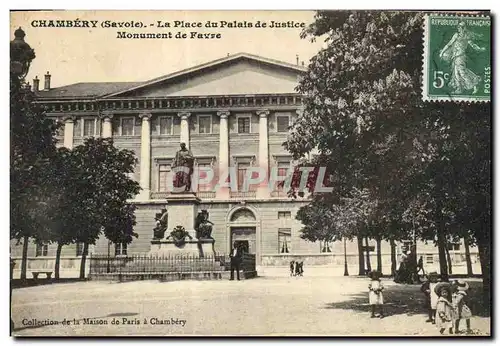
{"x":96,"y":54}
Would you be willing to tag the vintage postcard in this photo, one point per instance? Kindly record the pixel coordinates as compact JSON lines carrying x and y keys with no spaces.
{"x":250,"y":173}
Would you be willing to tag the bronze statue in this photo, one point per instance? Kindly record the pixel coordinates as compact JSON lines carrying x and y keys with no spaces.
{"x":183,"y":158}
{"x":203,"y":225}
{"x":161,"y":224}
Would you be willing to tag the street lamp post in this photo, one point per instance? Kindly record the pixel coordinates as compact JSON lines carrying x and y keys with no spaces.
{"x":346,"y":270}
{"x":21,"y":55}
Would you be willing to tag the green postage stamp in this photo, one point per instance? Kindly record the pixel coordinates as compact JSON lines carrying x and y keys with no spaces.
{"x":457,"y":58}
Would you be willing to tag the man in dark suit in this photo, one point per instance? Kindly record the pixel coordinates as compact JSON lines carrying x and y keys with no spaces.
{"x":236,"y":258}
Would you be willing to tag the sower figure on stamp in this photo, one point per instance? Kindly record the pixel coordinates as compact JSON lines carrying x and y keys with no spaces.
{"x":183,"y":167}
{"x":236,"y":258}
{"x":455,"y":52}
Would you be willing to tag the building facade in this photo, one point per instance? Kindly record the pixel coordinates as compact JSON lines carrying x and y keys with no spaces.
{"x":231,"y":112}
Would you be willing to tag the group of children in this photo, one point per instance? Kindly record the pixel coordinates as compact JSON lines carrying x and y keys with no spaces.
{"x":445,"y":301}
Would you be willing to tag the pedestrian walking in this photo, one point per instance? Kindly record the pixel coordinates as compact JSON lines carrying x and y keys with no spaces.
{"x":236,"y":258}
{"x":375,"y":296}
{"x":445,"y":314}
{"x":420,"y":266}
{"x":461,"y":309}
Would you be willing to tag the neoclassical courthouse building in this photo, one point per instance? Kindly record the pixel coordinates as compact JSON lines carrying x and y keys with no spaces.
{"x":231,"y":112}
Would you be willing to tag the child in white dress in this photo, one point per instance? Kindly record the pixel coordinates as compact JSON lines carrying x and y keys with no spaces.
{"x":445,"y":314}
{"x":375,"y":295}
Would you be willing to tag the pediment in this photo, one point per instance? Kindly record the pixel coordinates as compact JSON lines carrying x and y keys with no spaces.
{"x":243,"y":76}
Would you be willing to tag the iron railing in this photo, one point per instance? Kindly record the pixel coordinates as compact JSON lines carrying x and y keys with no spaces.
{"x":151,"y":264}
{"x":103,"y":264}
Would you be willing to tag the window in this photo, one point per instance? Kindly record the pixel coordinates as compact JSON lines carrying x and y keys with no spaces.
{"x":88,"y":127}
{"x":453,"y":246}
{"x":244,"y":125}
{"x":283,"y":168}
{"x":79,"y":248}
{"x":284,"y":240}
{"x":203,"y":168}
{"x":325,"y":246}
{"x":164,"y":171}
{"x":166,"y":125}
{"x":204,"y":124}
{"x":283,"y":122}
{"x":429,"y":259}
{"x":121,"y":249}
{"x":127,"y":126}
{"x":242,"y":171}
{"x":284,"y":215}
{"x":60,"y":129}
{"x":41,"y":250}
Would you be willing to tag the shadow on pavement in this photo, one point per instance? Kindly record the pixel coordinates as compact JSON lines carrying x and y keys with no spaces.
{"x":400,"y":299}
{"x":18,"y":283}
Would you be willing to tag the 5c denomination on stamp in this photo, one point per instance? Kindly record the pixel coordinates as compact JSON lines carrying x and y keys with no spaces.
{"x":457,"y":58}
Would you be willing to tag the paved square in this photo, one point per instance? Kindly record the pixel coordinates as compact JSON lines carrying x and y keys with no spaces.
{"x":262,"y":306}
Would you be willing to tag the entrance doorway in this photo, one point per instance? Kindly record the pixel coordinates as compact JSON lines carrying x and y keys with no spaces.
{"x":245,"y":238}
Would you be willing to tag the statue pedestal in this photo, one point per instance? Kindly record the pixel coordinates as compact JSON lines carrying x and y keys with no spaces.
{"x":182,"y":211}
{"x":196,"y":248}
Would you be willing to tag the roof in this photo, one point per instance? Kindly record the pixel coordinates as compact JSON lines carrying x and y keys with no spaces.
{"x":86,"y":90}
{"x":91,"y":90}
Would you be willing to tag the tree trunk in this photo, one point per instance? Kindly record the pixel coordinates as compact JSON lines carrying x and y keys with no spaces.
{"x":361,"y":256}
{"x":24,"y":263}
{"x":442,"y":244}
{"x":84,"y":259}
{"x":443,"y":265}
{"x":484,"y":257}
{"x":368,"y":262}
{"x":379,"y":255}
{"x":467,"y":256}
{"x":58,"y":261}
{"x":448,"y":260}
{"x":394,"y":260}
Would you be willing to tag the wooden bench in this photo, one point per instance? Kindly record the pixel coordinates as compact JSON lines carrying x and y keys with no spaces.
{"x":38,"y":272}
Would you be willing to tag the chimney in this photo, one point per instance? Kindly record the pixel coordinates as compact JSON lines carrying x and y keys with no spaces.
{"x":47,"y":82}
{"x":302,"y":62}
{"x":297,"y":59}
{"x":36,"y":84}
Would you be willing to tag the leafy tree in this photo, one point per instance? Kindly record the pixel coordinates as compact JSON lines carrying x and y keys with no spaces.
{"x":364,"y":113}
{"x":63,"y":192}
{"x":102,"y":188}
{"x":32,"y":147}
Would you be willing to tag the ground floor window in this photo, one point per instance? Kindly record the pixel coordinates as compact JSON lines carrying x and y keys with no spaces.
{"x":120,"y":249}
{"x":41,"y":250}
{"x":284,"y":240}
{"x":325,"y":246}
{"x":79,"y":248}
